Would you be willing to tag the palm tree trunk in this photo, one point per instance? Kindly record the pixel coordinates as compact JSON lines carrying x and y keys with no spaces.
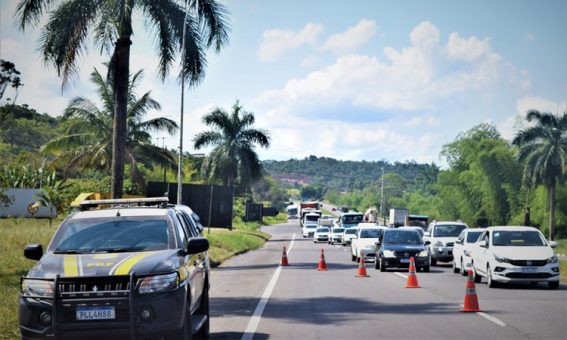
{"x":121,"y":74}
{"x":552,"y":212}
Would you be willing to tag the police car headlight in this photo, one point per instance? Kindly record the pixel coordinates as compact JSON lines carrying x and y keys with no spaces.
{"x":40,"y":288}
{"x":158,"y":283}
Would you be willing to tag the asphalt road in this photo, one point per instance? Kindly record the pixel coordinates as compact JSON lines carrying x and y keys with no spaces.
{"x":300,"y":302}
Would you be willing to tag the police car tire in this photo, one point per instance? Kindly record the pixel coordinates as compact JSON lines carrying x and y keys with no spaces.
{"x":204,"y":331}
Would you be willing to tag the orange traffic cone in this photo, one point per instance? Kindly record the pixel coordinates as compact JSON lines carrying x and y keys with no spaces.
{"x":284,"y":258}
{"x":412,"y":278}
{"x":471,"y":300}
{"x":322,"y":265}
{"x":361,"y":267}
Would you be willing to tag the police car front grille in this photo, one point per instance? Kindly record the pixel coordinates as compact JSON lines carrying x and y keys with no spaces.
{"x":110,"y":286}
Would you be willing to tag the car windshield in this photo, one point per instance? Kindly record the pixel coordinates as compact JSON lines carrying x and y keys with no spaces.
{"x":348,"y":219}
{"x":402,"y":237}
{"x":115,"y":234}
{"x":518,"y":239}
{"x":338,"y":230}
{"x":472,"y":236}
{"x":350,"y":231}
{"x":370,"y":233}
{"x":292,"y":211}
{"x":447,"y":230}
{"x":322,"y":230}
{"x":310,"y":226}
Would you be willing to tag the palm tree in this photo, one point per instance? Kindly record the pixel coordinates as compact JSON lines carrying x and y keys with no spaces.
{"x":87,"y":143}
{"x":543,"y":148}
{"x":72,"y":21}
{"x":233,"y":138}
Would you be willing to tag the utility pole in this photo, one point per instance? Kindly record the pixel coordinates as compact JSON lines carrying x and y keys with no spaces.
{"x":164,"y":167}
{"x":180,"y":163}
{"x":382,"y":198}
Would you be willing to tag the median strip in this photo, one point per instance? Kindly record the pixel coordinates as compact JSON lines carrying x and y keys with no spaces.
{"x":255,"y":319}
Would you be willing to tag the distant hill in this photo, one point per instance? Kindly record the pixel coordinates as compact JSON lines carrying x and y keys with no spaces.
{"x":337,"y":174}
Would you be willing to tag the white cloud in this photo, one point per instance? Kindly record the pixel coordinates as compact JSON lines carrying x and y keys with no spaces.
{"x":277,"y":41}
{"x":467,"y":49}
{"x":352,"y":38}
{"x":541,"y":104}
{"x":410,"y":79}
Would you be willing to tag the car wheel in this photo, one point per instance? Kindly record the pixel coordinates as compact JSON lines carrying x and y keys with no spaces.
{"x":433,"y":262}
{"x":455,"y":268}
{"x":464,"y":272}
{"x":489,"y":281}
{"x":377,"y":264}
{"x":553,"y":285}
{"x":353,"y":257}
{"x":204,"y":331}
{"x":382,"y":265}
{"x":426,"y":269}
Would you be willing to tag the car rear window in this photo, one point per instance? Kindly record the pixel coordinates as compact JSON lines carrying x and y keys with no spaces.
{"x":116,"y":234}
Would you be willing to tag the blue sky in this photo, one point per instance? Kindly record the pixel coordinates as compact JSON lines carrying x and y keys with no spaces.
{"x":372,"y":80}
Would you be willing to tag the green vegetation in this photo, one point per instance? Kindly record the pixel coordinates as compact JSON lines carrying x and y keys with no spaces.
{"x":225,"y":243}
{"x":109,"y":23}
{"x":563,"y":269}
{"x":561,"y":247}
{"x":233,"y":138}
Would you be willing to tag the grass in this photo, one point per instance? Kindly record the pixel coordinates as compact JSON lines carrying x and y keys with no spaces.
{"x":561,"y":247}
{"x":17,"y":232}
{"x":563,"y":270}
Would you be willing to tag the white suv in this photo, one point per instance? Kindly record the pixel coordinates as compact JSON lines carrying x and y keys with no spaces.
{"x":462,"y":250}
{"x":441,"y":237}
{"x":515,"y":254}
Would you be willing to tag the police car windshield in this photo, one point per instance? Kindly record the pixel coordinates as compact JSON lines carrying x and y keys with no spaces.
{"x":116,"y":234}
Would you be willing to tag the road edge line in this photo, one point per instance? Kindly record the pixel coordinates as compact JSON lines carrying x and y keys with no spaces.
{"x":257,"y":315}
{"x":400,"y":275}
{"x":492,"y":319}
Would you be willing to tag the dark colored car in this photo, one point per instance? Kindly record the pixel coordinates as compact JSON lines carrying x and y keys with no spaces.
{"x":122,"y":272}
{"x":397,"y":247}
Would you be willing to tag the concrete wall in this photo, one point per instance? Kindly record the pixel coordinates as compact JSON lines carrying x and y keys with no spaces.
{"x":22,"y":199}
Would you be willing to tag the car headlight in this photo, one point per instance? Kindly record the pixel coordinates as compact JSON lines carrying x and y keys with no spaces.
{"x":423,"y":253}
{"x":158,"y":283}
{"x":438,"y":244}
{"x":502,"y":259}
{"x":389,"y":253}
{"x":41,"y":288}
{"x":552,"y":259}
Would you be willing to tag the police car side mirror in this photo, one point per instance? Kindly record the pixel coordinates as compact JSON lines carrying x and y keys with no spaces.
{"x":197,"y":245}
{"x":33,"y":251}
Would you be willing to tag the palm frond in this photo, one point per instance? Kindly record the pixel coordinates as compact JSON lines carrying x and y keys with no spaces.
{"x":159,"y":124}
{"x":213,"y":19}
{"x":29,"y":12}
{"x":207,"y":138}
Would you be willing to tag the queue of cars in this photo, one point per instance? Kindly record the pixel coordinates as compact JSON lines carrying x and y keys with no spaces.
{"x":505,"y":254}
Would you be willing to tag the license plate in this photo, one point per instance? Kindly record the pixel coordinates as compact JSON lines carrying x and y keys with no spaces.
{"x":529,"y":270}
{"x":96,"y":313}
{"x":404,"y":260}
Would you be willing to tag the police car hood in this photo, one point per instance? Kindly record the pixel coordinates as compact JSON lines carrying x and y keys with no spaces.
{"x":104,"y":264}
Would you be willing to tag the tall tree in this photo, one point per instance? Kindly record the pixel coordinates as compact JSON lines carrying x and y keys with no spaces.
{"x":86,"y":143}
{"x":233,"y":138}
{"x":543,"y":148}
{"x":72,"y":21}
{"x":8,"y":76}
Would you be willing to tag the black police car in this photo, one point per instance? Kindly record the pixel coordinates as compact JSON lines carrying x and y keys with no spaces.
{"x":397,"y":247}
{"x":125,"y":272}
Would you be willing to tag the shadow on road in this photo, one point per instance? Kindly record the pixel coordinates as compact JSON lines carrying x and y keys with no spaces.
{"x":324,"y":310}
{"x":237,"y":335}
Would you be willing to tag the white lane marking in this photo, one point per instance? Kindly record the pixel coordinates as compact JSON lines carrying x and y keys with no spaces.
{"x":491,"y":318}
{"x":401,"y":275}
{"x":255,"y":319}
